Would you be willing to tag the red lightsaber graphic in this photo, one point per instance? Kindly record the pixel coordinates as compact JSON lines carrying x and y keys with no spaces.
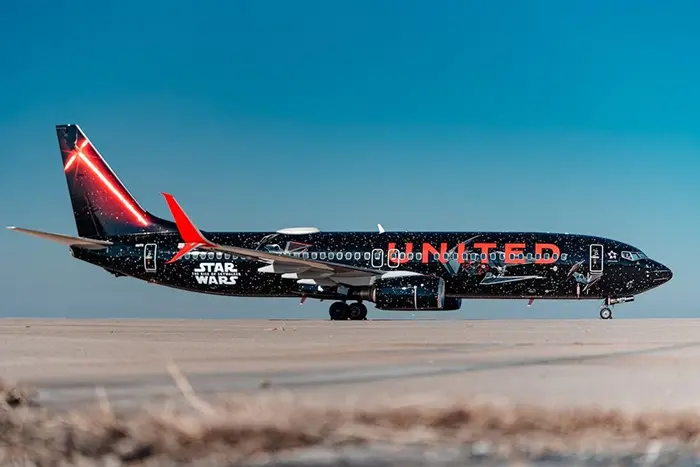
{"x":78,"y":154}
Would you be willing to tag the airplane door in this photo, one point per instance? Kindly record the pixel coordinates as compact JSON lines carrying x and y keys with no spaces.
{"x":595,"y":259}
{"x":392,"y":253}
{"x":149,"y":257}
{"x":377,"y":258}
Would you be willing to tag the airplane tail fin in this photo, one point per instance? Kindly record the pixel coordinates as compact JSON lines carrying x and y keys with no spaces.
{"x":102,"y":206}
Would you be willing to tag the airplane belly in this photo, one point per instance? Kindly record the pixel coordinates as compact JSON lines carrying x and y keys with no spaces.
{"x":546,"y":284}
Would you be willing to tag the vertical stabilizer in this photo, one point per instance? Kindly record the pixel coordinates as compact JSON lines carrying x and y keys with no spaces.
{"x":102,"y":205}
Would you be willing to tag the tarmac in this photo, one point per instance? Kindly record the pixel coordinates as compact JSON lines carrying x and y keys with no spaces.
{"x":625,"y":364}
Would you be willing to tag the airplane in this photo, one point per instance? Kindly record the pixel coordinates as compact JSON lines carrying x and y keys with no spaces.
{"x":397,"y":271}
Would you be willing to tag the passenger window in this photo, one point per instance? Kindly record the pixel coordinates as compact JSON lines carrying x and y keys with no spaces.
{"x":331,"y":255}
{"x":368,"y":256}
{"x":314,"y":255}
{"x":419,"y":256}
{"x":348,"y":255}
{"x":219,"y":255}
{"x":227,"y":256}
{"x":358,"y":256}
{"x":305,"y":255}
{"x":322,"y":255}
{"x":210,"y":255}
{"x":187,"y":256}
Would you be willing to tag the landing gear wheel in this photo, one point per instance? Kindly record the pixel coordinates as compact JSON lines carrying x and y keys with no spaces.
{"x":357,"y":311}
{"x":338,"y":311}
{"x":605,"y":313}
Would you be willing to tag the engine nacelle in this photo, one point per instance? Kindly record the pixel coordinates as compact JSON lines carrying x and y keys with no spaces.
{"x":412,"y":293}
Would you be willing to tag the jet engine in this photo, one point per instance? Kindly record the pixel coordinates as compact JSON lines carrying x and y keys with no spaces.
{"x":412,"y":293}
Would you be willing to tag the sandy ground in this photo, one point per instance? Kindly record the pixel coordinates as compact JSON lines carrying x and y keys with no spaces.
{"x":573,"y":392}
{"x":626,"y":364}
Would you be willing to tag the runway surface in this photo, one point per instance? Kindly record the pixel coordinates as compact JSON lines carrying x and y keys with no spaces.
{"x":627,"y":364}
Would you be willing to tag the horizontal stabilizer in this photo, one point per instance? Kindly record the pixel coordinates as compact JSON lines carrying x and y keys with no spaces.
{"x":67,"y":240}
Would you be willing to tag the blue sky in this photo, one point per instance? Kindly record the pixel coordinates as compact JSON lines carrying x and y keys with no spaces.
{"x":577,"y":116}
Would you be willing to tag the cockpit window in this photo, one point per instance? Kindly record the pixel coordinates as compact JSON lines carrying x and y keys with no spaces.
{"x":633,"y":255}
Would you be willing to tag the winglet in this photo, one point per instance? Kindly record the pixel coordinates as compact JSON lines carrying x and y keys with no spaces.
{"x":381,"y":229}
{"x":190,"y":234}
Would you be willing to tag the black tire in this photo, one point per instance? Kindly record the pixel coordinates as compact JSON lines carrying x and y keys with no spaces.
{"x":364,"y":311}
{"x":357,"y":311}
{"x":338,"y":311}
{"x":605,"y":313}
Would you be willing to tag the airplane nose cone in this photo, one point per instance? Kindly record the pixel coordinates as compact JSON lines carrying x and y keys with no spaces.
{"x":662,"y":273}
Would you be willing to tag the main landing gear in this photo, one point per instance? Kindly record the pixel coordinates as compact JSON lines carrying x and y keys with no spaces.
{"x":609,"y":303}
{"x":340,"y":311}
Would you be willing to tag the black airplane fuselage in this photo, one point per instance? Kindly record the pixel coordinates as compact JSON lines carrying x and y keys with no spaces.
{"x":394,"y":270}
{"x":512,"y":269}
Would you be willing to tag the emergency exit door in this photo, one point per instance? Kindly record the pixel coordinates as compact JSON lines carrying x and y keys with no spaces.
{"x":149,"y":257}
{"x":377,"y":258}
{"x":595,"y":259}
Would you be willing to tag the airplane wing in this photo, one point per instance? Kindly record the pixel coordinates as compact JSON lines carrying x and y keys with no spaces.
{"x":89,"y":243}
{"x":193,"y":238}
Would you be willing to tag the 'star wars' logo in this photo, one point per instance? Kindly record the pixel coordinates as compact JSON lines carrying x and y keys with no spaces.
{"x":216,"y":273}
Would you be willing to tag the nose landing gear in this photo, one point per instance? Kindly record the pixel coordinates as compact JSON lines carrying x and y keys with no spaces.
{"x":340,"y":311}
{"x":609,"y":303}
